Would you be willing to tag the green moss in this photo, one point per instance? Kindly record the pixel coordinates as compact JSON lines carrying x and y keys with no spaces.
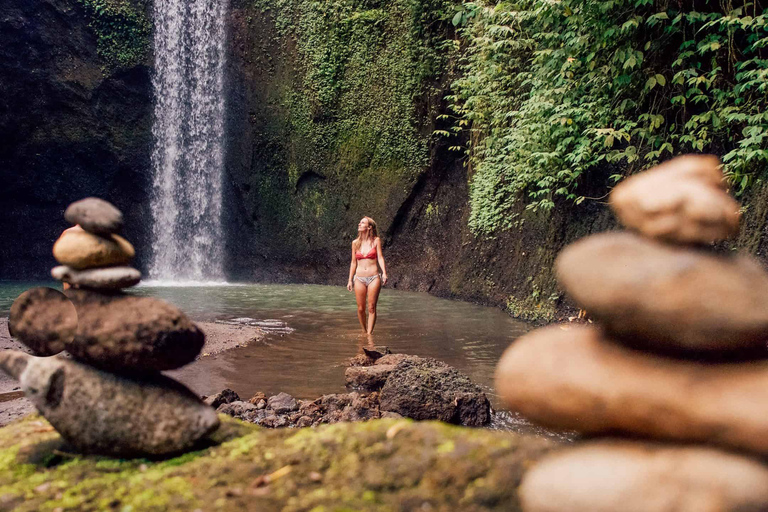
{"x":378,"y":465}
{"x":123,"y":31}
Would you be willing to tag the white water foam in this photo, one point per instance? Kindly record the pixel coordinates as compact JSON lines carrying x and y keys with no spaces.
{"x":188,"y":155}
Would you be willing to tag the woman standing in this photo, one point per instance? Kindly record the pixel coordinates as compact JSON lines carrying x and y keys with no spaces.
{"x":364,"y":275}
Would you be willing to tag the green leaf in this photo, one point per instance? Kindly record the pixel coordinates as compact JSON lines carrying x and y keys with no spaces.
{"x":457,"y":18}
{"x":661,"y":80}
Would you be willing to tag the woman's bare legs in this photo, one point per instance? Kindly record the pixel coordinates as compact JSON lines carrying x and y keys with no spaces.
{"x":373,"y":298}
{"x":360,"y":292}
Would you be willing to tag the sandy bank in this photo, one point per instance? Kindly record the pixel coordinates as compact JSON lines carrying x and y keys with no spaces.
{"x":218,"y":338}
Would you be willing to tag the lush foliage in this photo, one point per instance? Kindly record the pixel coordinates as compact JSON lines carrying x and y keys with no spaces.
{"x":122,"y":30}
{"x":365,"y":66}
{"x":552,"y":92}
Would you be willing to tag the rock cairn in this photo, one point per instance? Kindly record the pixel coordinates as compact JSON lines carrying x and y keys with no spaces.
{"x":677,"y":356}
{"x":110,"y":398}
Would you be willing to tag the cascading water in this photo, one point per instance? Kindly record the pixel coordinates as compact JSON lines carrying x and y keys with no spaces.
{"x":188,"y":156}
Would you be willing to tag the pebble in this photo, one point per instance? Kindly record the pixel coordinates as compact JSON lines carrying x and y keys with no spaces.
{"x":106,"y":278}
{"x":102,"y":413}
{"x":80,"y":249}
{"x":44,"y":320}
{"x":613,"y":475}
{"x":573,"y":378}
{"x":680,"y":201}
{"x":667,"y":298}
{"x":95,"y":215}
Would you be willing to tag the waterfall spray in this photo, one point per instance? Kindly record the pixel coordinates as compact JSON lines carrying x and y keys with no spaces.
{"x":188,"y":155}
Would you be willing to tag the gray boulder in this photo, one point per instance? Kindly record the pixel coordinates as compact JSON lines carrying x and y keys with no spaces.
{"x":106,"y":278}
{"x":95,"y":215}
{"x":102,"y":413}
{"x":282,"y":403}
{"x":427,"y":389}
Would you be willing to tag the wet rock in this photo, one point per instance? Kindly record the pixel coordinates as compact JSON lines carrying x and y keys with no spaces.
{"x":130,"y":333}
{"x":334,"y":408}
{"x":669,"y":299}
{"x":44,"y":319}
{"x":370,"y":378}
{"x":682,"y":200}
{"x":80,"y":249}
{"x":235,"y":408}
{"x":573,"y":378}
{"x":607,"y":476}
{"x":99,"y":412}
{"x":95,"y":215}
{"x":107,"y":278}
{"x":282,"y":403}
{"x":426,"y":389}
{"x":226,"y":396}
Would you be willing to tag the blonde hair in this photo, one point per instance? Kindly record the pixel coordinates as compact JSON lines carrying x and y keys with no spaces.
{"x":358,"y":242}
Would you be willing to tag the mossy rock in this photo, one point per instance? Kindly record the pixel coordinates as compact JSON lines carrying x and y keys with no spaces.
{"x":376,"y":465}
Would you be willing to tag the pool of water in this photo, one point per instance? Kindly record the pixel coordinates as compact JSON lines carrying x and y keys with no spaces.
{"x":307,"y":359}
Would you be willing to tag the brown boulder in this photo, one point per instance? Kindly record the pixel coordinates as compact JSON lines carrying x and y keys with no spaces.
{"x":682,"y":200}
{"x":608,"y":476}
{"x":44,"y":319}
{"x":573,"y":378}
{"x":129,"y":333}
{"x":667,"y":298}
{"x":80,"y":249}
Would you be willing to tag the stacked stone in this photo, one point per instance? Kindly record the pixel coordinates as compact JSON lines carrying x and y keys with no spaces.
{"x":677,"y":356}
{"x":110,"y":398}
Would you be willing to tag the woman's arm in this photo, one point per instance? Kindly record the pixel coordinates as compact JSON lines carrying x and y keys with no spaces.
{"x":352,"y":268}
{"x":381,"y":261}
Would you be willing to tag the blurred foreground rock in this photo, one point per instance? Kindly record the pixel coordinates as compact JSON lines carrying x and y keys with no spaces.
{"x":697,"y":324}
{"x":383,"y":465}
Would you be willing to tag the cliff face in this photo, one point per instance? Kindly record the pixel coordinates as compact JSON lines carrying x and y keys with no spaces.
{"x":74,"y":121}
{"x":331,"y":111}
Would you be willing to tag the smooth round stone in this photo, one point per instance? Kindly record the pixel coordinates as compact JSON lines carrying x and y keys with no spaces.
{"x":573,"y":378}
{"x":103,"y":413}
{"x":44,"y":320}
{"x":610,"y":476}
{"x":95,"y":215}
{"x":680,"y":201}
{"x":79,"y":249}
{"x":668,"y":298}
{"x":106,"y":278}
{"x":125,"y":333}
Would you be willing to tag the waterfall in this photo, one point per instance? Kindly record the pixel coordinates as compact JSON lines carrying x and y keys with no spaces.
{"x":188,"y":154}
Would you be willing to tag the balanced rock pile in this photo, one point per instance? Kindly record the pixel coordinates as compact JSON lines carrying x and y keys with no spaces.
{"x":111,"y":399}
{"x":677,"y":356}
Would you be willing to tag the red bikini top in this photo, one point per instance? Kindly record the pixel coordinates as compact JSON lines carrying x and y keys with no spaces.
{"x":370,"y":256}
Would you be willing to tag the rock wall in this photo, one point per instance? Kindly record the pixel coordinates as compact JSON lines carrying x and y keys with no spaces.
{"x":75,"y":120}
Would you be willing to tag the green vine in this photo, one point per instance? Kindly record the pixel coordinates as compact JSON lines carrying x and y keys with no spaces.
{"x":122,"y":30}
{"x":553,"y":93}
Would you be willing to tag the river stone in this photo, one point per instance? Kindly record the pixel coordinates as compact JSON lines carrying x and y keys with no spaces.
{"x":427,"y":389}
{"x":134,"y":334}
{"x":226,"y":396}
{"x":102,"y":413}
{"x":80,"y":249}
{"x":682,"y":200}
{"x":107,"y":278}
{"x":95,"y":215}
{"x":608,"y":476}
{"x":282,"y":403}
{"x":44,"y":319}
{"x":574,"y":378}
{"x":667,"y":298}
